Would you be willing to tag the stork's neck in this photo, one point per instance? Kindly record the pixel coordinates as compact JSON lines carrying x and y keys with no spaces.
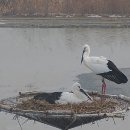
{"x":79,"y":95}
{"x":86,"y":54}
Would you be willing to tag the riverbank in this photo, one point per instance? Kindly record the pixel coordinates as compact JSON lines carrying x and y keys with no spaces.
{"x":60,"y":22}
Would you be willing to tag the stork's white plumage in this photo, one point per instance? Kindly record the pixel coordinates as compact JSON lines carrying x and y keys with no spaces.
{"x":103,"y":67}
{"x":77,"y":95}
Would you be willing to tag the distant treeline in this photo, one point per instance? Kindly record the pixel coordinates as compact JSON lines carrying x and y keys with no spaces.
{"x":63,"y":7}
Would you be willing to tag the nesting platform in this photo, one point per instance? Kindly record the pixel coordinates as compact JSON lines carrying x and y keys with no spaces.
{"x":66,"y":116}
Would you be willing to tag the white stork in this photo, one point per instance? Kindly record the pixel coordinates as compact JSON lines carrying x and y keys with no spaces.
{"x":77,"y":95}
{"x":103,"y":67}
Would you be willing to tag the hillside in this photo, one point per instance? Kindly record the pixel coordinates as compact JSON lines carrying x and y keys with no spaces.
{"x":74,"y":8}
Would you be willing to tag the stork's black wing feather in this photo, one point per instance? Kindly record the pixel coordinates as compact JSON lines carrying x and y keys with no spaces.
{"x":114,"y":74}
{"x":49,"y":97}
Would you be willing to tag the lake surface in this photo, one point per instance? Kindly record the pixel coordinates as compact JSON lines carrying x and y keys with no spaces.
{"x":33,"y":59}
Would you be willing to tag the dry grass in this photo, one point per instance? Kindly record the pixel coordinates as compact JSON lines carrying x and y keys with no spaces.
{"x":97,"y":106}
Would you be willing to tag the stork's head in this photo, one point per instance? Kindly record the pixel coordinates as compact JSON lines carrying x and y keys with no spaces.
{"x":76,"y":87}
{"x":79,"y":92}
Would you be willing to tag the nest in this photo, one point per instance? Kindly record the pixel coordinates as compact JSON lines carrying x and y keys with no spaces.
{"x":66,"y":116}
{"x":96,"y":106}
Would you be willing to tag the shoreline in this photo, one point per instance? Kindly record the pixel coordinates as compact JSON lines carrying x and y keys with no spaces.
{"x":63,"y":22}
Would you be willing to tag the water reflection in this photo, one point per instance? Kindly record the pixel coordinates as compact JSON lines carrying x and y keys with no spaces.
{"x":93,"y":82}
{"x":49,"y":59}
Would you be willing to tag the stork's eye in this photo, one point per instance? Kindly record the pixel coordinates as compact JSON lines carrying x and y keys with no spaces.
{"x":79,"y":86}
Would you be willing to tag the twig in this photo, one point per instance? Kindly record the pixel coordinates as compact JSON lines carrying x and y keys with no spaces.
{"x":25,"y":121}
{"x":97,"y":124}
{"x":16,"y":117}
{"x":19,"y":123}
{"x":114,"y":120}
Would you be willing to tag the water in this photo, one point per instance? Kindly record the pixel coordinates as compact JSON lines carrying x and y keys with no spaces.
{"x":49,"y":60}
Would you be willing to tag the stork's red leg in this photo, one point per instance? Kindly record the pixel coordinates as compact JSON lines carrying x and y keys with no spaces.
{"x":103,"y":87}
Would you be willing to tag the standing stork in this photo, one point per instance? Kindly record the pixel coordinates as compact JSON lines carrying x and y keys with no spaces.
{"x":103,"y":67}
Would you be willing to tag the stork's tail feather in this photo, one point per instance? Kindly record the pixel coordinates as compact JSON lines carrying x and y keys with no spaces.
{"x":115,"y":76}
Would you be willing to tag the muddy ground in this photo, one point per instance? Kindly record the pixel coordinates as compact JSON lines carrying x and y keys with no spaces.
{"x":60,"y":22}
